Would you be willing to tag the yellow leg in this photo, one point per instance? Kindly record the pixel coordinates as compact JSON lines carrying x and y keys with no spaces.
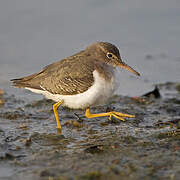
{"x":55,"y":107}
{"x":110,"y":114}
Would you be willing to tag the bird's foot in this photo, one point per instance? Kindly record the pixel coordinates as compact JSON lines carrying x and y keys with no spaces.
{"x":111,"y":114}
{"x":119,"y":115}
{"x":59,"y":131}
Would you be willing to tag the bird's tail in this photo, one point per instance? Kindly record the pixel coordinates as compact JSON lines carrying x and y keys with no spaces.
{"x":27,"y":81}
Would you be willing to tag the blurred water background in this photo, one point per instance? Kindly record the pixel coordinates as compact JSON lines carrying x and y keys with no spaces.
{"x":36,"y":33}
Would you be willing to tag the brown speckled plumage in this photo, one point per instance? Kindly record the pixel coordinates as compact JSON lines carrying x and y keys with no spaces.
{"x":74,"y":74}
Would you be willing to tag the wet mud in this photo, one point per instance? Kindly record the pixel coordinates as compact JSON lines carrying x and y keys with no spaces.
{"x":145,"y":147}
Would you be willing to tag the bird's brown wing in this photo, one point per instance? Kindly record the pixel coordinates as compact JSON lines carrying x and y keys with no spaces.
{"x":66,"y":77}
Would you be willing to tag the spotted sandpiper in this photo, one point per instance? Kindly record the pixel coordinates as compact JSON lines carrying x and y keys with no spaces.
{"x":80,"y":81}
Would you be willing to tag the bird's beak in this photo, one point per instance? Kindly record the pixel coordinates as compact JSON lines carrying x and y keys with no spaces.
{"x":127,"y":67}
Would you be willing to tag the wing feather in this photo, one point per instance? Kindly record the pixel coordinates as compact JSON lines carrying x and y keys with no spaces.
{"x":64,"y":77}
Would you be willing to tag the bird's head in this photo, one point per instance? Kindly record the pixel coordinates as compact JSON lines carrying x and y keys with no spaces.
{"x":109,"y":54}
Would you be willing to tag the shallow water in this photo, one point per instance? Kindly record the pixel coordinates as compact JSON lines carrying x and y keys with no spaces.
{"x":36,"y":33}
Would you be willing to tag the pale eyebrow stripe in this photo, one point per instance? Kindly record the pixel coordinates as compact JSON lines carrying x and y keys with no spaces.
{"x":104,"y":50}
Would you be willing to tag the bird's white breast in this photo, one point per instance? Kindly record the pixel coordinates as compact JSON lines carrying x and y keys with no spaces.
{"x":98,"y":93}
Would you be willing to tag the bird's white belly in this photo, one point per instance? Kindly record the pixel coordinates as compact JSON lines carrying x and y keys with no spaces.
{"x":98,"y":93}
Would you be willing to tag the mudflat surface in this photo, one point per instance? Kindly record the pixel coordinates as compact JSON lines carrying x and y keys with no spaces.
{"x":145,"y":147}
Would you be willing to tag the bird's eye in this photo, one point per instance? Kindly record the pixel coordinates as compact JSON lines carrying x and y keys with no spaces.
{"x":109,"y":55}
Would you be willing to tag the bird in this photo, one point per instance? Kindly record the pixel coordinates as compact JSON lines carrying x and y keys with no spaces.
{"x":80,"y":81}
